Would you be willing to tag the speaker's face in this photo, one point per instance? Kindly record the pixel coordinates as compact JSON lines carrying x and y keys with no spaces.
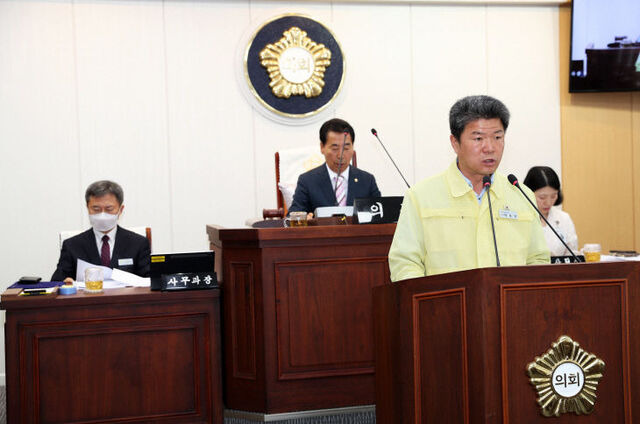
{"x":480,"y":148}
{"x":332,"y":150}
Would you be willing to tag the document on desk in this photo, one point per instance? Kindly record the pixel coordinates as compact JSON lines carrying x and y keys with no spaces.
{"x":129,"y":279}
{"x":112,"y":278}
{"x":611,"y":258}
{"x":81,"y":266}
{"x":106,"y":284}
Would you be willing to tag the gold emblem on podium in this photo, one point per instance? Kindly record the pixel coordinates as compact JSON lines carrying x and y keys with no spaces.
{"x":296,"y":64}
{"x":566,"y":378}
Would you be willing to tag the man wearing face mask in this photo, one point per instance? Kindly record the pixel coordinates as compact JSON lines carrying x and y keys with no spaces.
{"x":105,"y":243}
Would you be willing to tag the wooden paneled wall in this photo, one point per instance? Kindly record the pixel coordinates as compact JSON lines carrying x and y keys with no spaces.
{"x":600,"y":158}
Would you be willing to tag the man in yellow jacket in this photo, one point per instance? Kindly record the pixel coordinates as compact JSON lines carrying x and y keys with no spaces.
{"x":445,"y":223}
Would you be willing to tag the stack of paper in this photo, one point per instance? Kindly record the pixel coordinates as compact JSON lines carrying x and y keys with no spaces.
{"x":112,"y":278}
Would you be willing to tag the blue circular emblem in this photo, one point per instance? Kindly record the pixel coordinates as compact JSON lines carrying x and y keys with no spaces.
{"x":294,"y":66}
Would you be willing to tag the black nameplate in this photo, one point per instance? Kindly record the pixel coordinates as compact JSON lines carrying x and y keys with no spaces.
{"x":566,"y":259}
{"x":187,"y":263}
{"x":189,"y":281}
{"x":377,"y":210}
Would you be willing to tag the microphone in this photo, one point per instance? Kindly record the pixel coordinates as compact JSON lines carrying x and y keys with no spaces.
{"x":335,"y":187}
{"x":514,"y":181}
{"x":486,"y":182}
{"x":375,"y":133}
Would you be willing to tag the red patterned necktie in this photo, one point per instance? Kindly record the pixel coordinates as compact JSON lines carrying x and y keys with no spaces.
{"x":340,"y":191}
{"x":105,"y":253}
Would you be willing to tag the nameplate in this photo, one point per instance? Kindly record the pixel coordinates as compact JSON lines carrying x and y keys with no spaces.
{"x":378,"y":210}
{"x":567,"y":259}
{"x":189,"y":281}
{"x":329,"y":211}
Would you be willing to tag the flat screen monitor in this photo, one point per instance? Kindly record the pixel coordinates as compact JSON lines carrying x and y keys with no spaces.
{"x":605,"y":45}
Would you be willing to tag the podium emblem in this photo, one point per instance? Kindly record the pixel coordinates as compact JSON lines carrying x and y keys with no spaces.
{"x":566,"y":378}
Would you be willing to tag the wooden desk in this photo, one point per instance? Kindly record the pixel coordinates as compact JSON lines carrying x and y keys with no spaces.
{"x":124,"y":355}
{"x":298,"y":328}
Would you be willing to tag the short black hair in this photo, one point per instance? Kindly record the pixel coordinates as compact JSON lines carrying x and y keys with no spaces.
{"x":472,"y":108}
{"x":543,"y":176}
{"x":102,"y":188}
{"x":336,"y":125}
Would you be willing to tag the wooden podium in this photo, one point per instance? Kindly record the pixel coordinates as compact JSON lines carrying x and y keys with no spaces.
{"x":125,"y":355}
{"x":297,"y":308}
{"x":454,"y":347}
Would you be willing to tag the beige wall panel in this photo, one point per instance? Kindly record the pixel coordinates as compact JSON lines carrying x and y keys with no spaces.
{"x":211,"y":154}
{"x":122,"y":108}
{"x":597,"y":159}
{"x":378,"y":91}
{"x":597,"y":164}
{"x":39,"y":167}
{"x":533,"y":137}
{"x":449,"y":62}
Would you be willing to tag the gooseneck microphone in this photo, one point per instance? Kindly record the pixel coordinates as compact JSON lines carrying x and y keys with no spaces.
{"x":514,"y":181}
{"x":335,"y":187}
{"x":486,"y":182}
{"x":375,"y":133}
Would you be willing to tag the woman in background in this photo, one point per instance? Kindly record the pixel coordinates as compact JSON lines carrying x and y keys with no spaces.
{"x":545,"y":184}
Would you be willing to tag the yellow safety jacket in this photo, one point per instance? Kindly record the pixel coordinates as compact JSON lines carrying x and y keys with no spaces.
{"x":442,"y":228}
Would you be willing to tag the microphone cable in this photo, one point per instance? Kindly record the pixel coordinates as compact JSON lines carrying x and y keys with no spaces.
{"x":335,"y":187}
{"x":486,"y":181}
{"x":375,"y":133}
{"x":514,"y":181}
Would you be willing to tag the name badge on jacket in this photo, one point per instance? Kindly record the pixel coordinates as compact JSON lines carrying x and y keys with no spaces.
{"x":125,"y":261}
{"x":508,"y":214}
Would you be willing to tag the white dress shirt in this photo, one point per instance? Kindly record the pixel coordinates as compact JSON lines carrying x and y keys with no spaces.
{"x":563,"y":224}
{"x":345,"y":181}
{"x":112,"y":240}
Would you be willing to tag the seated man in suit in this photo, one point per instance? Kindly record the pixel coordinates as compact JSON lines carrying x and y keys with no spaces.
{"x":105,"y":243}
{"x":335,"y":183}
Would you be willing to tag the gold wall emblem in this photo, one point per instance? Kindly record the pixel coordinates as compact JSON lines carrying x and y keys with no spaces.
{"x":566,"y":378}
{"x":296,"y":64}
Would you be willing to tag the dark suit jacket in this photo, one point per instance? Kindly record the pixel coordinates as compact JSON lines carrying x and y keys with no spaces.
{"x":83,"y":246}
{"x":315,"y":189}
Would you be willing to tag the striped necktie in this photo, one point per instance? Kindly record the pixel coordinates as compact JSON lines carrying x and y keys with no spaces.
{"x":340,"y":190}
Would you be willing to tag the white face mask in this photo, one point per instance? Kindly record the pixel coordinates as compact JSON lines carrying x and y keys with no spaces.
{"x":103,"y":221}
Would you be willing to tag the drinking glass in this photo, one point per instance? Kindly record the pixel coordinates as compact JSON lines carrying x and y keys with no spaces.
{"x":296,"y":219}
{"x":93,"y":280}
{"x":592,"y":252}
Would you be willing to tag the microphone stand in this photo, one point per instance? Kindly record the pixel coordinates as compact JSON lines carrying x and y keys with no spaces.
{"x":375,"y":133}
{"x":486,"y":180}
{"x":335,"y":187}
{"x":514,"y":181}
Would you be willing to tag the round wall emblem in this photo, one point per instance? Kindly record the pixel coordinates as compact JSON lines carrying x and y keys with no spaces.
{"x":294,"y":66}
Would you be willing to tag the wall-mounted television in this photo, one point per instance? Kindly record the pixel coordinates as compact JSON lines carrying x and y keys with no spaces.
{"x":605,"y":45}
